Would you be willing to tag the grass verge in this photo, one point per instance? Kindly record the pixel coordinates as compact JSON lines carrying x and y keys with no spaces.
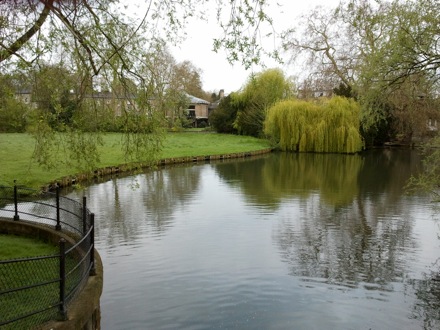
{"x":15,"y":247}
{"x":16,"y":151}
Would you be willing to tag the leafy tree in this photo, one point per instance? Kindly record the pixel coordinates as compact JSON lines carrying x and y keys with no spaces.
{"x":320,"y":36}
{"x":343,"y":90}
{"x":188,"y":78}
{"x":413,"y":47}
{"x":223,"y":118}
{"x":53,"y":91}
{"x":261,"y":92}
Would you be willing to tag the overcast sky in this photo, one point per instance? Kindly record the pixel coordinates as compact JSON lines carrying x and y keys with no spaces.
{"x":217,"y":72}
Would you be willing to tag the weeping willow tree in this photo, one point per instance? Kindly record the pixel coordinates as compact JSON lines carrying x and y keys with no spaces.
{"x":324,"y":126}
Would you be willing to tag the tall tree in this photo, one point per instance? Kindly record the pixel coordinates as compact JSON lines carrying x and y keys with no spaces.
{"x":223,"y":117}
{"x":328,"y":126}
{"x":261,"y":91}
{"x":188,"y":78}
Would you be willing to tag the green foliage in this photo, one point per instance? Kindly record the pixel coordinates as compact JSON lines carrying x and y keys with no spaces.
{"x":326,"y":126}
{"x":261,"y":91}
{"x":242,"y":31}
{"x":54,"y":92}
{"x":13,"y":113}
{"x":143,"y":136}
{"x":71,"y":148}
{"x":343,"y":90}
{"x":222,"y":118}
{"x":386,"y":52}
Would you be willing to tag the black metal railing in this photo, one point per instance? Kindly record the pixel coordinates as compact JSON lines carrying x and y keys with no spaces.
{"x":38,"y":289}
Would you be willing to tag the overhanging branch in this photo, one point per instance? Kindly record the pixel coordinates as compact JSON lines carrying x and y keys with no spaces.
{"x":16,"y":46}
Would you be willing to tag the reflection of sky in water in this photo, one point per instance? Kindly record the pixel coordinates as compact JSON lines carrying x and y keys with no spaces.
{"x":194,"y":247}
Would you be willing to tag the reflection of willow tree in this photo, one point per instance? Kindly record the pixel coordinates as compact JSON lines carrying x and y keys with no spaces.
{"x":354,"y":243}
{"x":267,"y":181}
{"x":338,"y":178}
{"x":341,"y":234}
{"x":131,"y":207}
{"x":333,"y":175}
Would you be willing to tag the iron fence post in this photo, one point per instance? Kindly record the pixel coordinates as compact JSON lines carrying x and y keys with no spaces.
{"x":92,"y":245}
{"x":16,"y":216}
{"x":84,"y":215}
{"x":62,"y":305}
{"x":57,"y":197}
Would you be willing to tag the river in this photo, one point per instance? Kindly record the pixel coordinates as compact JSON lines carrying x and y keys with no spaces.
{"x":280,"y":241}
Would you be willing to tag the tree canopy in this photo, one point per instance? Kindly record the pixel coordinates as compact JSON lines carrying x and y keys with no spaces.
{"x":261,"y":91}
{"x":324,"y":126}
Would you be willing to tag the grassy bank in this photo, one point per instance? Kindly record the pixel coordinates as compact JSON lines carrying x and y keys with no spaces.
{"x":14,"y":247}
{"x":16,"y":154}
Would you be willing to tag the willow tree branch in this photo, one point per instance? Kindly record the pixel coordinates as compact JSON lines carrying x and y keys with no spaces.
{"x":17,"y":44}
{"x":79,"y":37}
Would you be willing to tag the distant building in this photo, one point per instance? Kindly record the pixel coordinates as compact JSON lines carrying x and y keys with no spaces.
{"x":117,"y":103}
{"x":198,"y":111}
{"x":25,"y":96}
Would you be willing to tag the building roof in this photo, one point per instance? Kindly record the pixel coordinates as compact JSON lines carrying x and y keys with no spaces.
{"x":196,"y":100}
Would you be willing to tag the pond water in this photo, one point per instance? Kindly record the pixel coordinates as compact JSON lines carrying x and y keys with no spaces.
{"x":282,"y":241}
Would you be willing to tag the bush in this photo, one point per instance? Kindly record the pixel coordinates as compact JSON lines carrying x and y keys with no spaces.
{"x":13,"y":116}
{"x":222,"y":119}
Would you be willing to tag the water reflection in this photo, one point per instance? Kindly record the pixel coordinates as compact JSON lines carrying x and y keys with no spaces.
{"x":346,"y":231}
{"x":427,"y":307}
{"x":141,"y":205}
{"x":338,"y":178}
{"x":348,"y":245}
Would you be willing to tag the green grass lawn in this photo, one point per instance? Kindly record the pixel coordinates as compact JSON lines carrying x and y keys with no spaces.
{"x":15,"y":247}
{"x":16,"y":153}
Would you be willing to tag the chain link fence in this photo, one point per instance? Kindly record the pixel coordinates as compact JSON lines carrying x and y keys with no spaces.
{"x":38,"y":289}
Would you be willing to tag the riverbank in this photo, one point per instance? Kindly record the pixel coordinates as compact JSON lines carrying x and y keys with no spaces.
{"x":16,"y":161}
